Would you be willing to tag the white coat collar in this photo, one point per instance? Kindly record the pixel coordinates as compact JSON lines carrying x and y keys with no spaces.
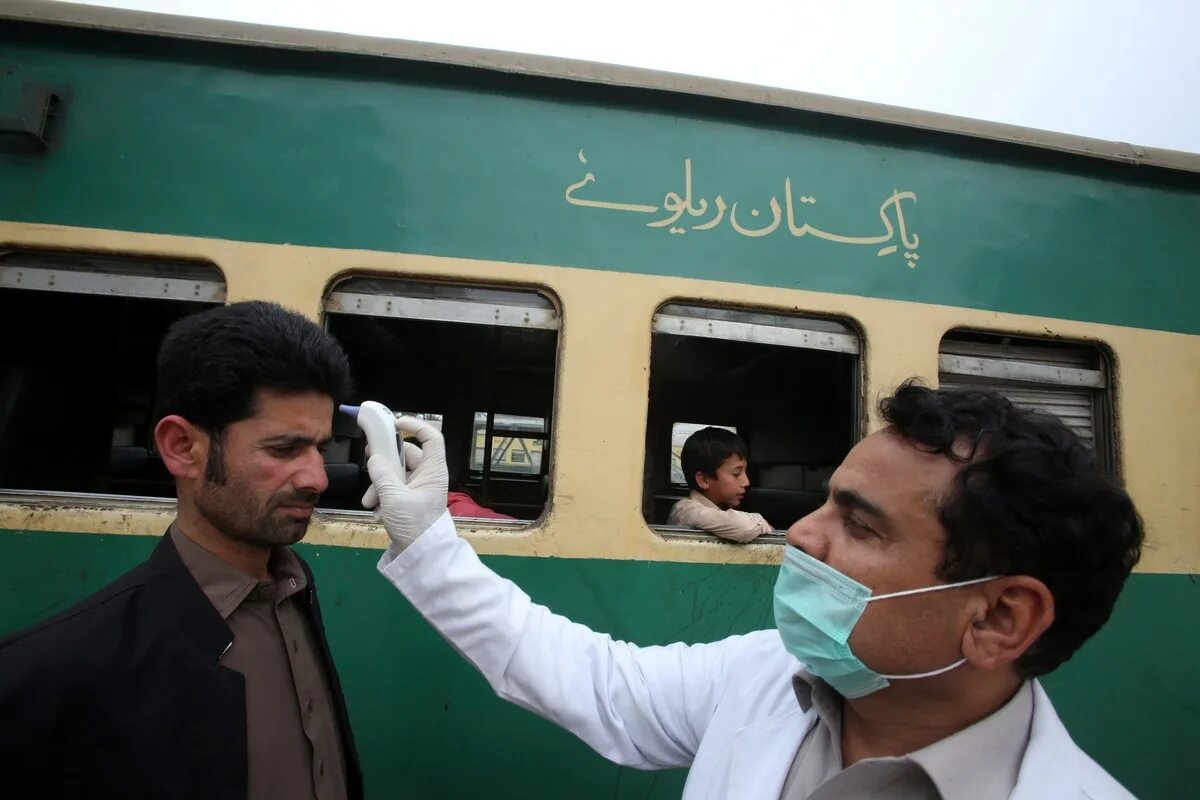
{"x":1050,"y":768}
{"x":763,"y":753}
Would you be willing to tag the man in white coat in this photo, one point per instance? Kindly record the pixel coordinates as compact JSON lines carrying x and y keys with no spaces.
{"x":964,"y":549}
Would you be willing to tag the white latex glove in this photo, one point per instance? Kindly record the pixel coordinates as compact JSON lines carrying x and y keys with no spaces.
{"x":408,"y":509}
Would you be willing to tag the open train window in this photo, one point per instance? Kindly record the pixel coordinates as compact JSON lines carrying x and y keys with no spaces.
{"x":1067,"y":379}
{"x":483,"y":357}
{"x":787,"y":384}
{"x":77,"y":370}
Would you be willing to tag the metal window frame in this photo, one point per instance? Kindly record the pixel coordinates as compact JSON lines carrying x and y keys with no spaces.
{"x":111,"y":276}
{"x":685,"y":534}
{"x":89,"y":500}
{"x":738,"y":325}
{"x":1021,"y":372}
{"x":434,"y":302}
{"x":1050,"y":365}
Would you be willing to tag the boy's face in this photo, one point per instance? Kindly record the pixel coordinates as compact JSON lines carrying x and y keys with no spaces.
{"x":727,"y":488}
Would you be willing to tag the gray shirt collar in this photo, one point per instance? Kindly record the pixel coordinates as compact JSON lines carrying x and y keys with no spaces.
{"x":954,"y":764}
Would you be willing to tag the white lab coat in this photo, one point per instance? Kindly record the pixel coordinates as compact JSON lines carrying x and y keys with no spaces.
{"x":727,"y":710}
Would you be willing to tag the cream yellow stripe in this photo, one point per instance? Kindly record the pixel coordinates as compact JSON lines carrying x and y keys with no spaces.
{"x":601,"y":411}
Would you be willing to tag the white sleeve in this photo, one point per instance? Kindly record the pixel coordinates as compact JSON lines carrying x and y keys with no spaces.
{"x":644,"y":707}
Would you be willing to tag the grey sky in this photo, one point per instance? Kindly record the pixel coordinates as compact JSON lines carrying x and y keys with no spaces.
{"x":1127,"y":71}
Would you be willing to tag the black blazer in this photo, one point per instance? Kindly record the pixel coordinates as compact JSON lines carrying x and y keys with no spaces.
{"x":121,"y":696}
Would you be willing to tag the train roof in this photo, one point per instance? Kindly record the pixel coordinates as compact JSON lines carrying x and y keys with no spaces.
{"x":239,"y":33}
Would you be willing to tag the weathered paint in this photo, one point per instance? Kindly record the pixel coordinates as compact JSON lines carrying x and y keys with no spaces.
{"x":592,"y":72}
{"x":417,"y":707}
{"x":320,"y":149}
{"x":600,"y":419}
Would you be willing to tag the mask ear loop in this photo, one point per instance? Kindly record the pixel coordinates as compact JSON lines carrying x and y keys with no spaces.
{"x":929,"y":674}
{"x":925,"y":589}
{"x":907,"y":592}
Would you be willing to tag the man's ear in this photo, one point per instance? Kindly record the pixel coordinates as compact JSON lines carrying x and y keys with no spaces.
{"x":702,"y":480}
{"x":183,"y":446}
{"x":1009,"y":616}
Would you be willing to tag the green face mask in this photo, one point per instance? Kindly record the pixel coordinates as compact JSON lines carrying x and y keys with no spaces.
{"x":816,"y":608}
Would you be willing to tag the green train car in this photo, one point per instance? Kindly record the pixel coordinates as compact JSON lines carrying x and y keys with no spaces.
{"x":581,"y":262}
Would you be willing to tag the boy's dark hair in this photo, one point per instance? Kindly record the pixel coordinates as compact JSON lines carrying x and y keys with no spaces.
{"x":1030,"y":499}
{"x":707,"y":449}
{"x":212,"y":363}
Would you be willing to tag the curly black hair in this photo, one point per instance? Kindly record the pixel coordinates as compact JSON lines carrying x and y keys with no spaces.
{"x":1030,"y":499}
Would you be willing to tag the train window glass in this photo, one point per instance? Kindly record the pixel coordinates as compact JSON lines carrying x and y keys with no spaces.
{"x":483,"y":357}
{"x":1067,"y":379}
{"x":434,"y":420}
{"x":516,"y":443}
{"x":787,"y":384}
{"x":680,"y":432}
{"x":81,"y":336}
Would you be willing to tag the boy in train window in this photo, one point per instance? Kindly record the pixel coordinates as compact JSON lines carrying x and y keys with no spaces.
{"x":714,"y":465}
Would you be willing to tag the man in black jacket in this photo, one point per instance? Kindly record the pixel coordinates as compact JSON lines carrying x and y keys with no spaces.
{"x":204,"y":672}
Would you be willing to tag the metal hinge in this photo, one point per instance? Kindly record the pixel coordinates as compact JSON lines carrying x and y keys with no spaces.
{"x":33,"y":127}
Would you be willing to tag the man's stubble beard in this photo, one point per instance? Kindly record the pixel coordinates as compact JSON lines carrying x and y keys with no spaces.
{"x":236,"y":514}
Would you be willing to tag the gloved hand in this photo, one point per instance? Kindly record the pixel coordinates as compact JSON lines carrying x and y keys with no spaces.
{"x":408,"y":508}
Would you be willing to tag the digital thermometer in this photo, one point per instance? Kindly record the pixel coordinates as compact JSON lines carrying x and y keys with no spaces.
{"x":379,"y":425}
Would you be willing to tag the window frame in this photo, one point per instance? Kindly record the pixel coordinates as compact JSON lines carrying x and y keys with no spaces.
{"x":1049,"y":365}
{"x":766,"y":326}
{"x":456,"y":301}
{"x":124,"y":275}
{"x":490,"y":430}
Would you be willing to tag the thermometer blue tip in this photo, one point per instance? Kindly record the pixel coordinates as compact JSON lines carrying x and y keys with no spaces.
{"x":349,"y":410}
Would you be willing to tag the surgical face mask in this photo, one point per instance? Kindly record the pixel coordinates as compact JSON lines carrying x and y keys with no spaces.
{"x":816,"y":608}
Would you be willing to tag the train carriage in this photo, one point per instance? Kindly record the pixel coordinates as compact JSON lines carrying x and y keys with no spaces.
{"x":568,"y":267}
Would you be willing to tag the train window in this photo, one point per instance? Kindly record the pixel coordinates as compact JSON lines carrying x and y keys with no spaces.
{"x":1066,"y":379}
{"x":81,"y":335}
{"x":483,"y":357}
{"x":435,"y":420}
{"x":516,"y":443}
{"x":789,"y":385}
{"x":680,"y":432}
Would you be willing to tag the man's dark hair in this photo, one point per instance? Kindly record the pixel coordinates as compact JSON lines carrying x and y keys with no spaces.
{"x":1030,"y":499}
{"x":212,"y":363}
{"x":707,"y":449}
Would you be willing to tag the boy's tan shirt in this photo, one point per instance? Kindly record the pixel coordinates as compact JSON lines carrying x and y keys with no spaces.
{"x":697,"y":511}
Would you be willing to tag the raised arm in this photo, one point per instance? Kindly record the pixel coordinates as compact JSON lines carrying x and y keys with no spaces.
{"x":644,"y":707}
{"x":640,"y":707}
